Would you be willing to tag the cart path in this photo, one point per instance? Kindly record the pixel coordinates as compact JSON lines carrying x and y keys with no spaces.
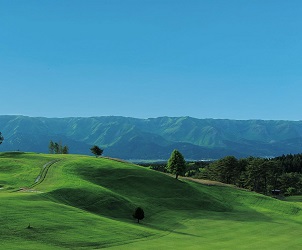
{"x":41,"y":177}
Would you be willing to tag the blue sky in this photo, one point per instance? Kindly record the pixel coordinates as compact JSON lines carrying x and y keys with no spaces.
{"x":142,"y":58}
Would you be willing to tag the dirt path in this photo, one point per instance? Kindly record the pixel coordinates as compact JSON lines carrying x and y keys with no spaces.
{"x":40,"y":178}
{"x":207,"y":182}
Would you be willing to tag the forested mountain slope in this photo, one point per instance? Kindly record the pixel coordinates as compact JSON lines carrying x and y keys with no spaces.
{"x":154,"y":138}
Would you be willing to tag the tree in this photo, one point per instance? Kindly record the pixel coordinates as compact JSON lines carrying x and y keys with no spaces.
{"x":51,"y":147}
{"x":226,"y":170}
{"x":176,"y":163}
{"x":139,"y":214}
{"x":60,"y":151}
{"x":1,"y":138}
{"x":96,"y":150}
{"x":65,"y":150}
{"x":56,"y":148}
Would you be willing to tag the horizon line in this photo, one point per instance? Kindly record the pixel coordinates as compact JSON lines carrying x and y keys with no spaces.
{"x":140,"y":118}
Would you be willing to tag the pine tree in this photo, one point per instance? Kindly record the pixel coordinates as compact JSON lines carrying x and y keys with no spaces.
{"x":56,"y":148}
{"x":51,"y":147}
{"x":65,"y":150}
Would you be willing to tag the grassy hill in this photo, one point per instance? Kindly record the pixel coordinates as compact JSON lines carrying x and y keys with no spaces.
{"x":87,"y":203}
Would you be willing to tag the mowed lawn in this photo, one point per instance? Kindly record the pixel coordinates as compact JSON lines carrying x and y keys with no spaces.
{"x":87,"y":203}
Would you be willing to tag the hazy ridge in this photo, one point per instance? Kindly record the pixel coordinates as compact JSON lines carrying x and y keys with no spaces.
{"x":154,"y":138}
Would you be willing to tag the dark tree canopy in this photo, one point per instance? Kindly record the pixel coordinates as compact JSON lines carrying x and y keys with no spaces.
{"x":1,"y":138}
{"x":96,"y":150}
{"x":65,"y":150}
{"x":139,"y":214}
{"x":57,"y":148}
{"x":176,"y":163}
{"x":262,"y":175}
{"x":51,"y":147}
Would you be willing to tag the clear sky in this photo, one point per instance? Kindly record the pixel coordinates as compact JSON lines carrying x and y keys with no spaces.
{"x":230,"y":59}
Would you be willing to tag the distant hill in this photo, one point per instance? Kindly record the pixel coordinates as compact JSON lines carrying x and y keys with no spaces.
{"x":154,"y":138}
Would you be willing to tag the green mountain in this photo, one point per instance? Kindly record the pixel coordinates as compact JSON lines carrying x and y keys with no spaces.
{"x":154,"y":138}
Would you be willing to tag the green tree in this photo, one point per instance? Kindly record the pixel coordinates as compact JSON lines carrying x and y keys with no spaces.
{"x":226,"y":170}
{"x":139,"y":214}
{"x":253,"y":173}
{"x":260,"y":175}
{"x":51,"y":147}
{"x":96,"y":150}
{"x":56,"y":148}
{"x":176,"y":164}
{"x":60,"y":151}
{"x":65,"y":150}
{"x":1,"y":138}
{"x":291,"y":180}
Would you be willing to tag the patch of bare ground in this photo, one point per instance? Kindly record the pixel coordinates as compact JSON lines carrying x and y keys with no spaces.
{"x":208,"y":182}
{"x":212,"y":183}
{"x":114,"y":159}
{"x":24,"y":189}
{"x":203,"y":181}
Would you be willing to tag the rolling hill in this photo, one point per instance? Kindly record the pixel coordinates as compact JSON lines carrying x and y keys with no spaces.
{"x":154,"y":138}
{"x":87,"y":203}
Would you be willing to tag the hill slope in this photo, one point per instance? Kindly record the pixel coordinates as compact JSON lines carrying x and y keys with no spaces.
{"x":155,"y":138}
{"x":85,"y":202}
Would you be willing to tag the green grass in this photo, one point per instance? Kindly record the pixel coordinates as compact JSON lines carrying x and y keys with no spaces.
{"x":20,"y":169}
{"x":87,"y":203}
{"x":295,"y":198}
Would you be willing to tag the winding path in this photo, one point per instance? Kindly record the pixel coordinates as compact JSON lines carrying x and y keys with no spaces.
{"x":40,"y":178}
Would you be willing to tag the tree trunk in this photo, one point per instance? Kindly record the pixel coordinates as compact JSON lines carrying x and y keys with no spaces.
{"x":176,"y":177}
{"x":137,"y":220}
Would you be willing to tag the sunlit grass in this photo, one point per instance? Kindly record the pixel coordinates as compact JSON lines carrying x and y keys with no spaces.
{"x":87,"y":202}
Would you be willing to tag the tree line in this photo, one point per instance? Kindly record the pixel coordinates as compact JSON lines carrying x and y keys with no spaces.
{"x":57,"y":148}
{"x":261,"y":175}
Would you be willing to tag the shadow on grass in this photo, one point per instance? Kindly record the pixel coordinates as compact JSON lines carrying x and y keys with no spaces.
{"x":11,"y":154}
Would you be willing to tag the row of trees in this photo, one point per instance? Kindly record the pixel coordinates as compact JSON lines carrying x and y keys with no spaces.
{"x":57,"y":148}
{"x":258,"y":174}
{"x":261,"y":175}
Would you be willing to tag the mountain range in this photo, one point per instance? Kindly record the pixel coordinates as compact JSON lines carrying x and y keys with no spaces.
{"x":154,"y":138}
